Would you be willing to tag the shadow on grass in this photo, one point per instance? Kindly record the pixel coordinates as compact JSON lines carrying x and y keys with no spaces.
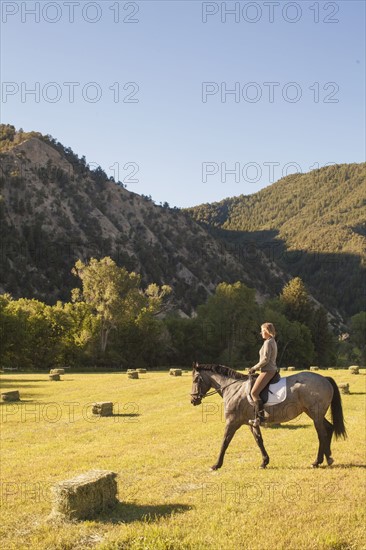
{"x":128,"y":512}
{"x":288,"y":426}
{"x":29,"y":401}
{"x":23,"y":381}
{"x":357,"y":393}
{"x":125,"y":415}
{"x":348,"y":466}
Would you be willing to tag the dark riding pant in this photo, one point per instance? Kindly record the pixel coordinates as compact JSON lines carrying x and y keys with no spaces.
{"x":261,"y":383}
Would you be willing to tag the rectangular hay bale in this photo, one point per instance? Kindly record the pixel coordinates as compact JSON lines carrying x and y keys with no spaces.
{"x":344,"y":388}
{"x":134,"y":374}
{"x":354,"y":369}
{"x":10,"y":396}
{"x":103,"y":408}
{"x":84,"y":496}
{"x":176,"y":372}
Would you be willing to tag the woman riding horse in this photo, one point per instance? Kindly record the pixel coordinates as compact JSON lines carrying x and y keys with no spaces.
{"x":268,"y":368}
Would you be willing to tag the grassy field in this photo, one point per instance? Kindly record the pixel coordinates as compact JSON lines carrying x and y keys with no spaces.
{"x":162,"y":448}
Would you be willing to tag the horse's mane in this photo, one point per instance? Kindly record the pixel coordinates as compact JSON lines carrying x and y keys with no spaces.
{"x":225,"y":371}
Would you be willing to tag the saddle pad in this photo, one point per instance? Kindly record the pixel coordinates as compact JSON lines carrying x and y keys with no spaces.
{"x":276,"y":393}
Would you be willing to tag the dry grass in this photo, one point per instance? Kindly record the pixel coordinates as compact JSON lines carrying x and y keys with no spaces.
{"x":162,"y":447}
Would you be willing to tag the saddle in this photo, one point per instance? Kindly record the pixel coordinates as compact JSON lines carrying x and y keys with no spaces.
{"x":264,"y":393}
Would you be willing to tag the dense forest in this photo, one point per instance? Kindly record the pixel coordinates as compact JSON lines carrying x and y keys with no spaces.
{"x":312,"y":225}
{"x":111,"y":322}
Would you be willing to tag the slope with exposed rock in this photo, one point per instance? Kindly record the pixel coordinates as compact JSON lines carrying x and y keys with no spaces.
{"x":54,"y":210}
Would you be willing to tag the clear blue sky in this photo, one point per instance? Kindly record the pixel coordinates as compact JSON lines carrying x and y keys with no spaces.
{"x":172,"y":128}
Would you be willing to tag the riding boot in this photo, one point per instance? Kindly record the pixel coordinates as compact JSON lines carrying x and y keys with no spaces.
{"x":259,"y":414}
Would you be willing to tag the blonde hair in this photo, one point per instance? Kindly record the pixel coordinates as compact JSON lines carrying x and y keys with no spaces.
{"x":269,"y":327}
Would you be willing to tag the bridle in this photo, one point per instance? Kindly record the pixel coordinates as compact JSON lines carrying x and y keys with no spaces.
{"x":219,"y":390}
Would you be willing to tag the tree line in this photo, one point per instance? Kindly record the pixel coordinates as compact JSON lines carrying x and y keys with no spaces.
{"x":112,"y":322}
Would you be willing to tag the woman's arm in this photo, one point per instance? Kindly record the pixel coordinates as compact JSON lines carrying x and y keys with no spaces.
{"x":265,"y":356}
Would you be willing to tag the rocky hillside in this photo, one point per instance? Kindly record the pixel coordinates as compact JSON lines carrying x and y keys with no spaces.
{"x":54,"y":210}
{"x":312,"y":225}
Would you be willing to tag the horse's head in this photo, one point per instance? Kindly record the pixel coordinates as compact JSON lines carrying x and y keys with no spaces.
{"x":200,"y":386}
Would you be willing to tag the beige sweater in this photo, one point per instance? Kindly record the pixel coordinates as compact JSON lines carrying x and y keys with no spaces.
{"x":267,"y":356}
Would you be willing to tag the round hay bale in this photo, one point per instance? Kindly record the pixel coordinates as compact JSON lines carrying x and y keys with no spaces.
{"x":344,"y":388}
{"x":133,"y":374}
{"x":54,"y":377}
{"x":10,"y":396}
{"x":314,"y":368}
{"x":291,"y":368}
{"x":283,"y":369}
{"x":354,"y":369}
{"x":141,"y":371}
{"x":131,"y":370}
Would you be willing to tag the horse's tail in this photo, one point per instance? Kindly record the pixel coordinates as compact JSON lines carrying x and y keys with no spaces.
{"x":337,"y":411}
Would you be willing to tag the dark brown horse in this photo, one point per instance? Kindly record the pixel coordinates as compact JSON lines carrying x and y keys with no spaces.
{"x":306,"y":392}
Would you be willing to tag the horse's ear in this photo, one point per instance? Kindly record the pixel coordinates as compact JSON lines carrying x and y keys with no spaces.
{"x":194,"y":364}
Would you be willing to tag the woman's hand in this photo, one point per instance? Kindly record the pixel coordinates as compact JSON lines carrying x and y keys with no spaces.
{"x":252,"y":370}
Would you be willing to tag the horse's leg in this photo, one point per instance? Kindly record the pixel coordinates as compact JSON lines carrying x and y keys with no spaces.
{"x":328,"y":453}
{"x":259,"y":440}
{"x":230,"y":430}
{"x":323,"y":441}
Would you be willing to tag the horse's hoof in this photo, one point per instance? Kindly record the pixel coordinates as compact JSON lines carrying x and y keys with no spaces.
{"x":330,"y":461}
{"x":314,"y":465}
{"x":214,"y":468}
{"x":264,"y":463}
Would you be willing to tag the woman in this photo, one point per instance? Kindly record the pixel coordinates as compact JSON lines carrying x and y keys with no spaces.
{"x":268,"y":368}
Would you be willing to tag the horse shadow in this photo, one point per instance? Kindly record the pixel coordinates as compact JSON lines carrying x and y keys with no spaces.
{"x":125,"y":512}
{"x":288,"y":426}
{"x":347,"y":466}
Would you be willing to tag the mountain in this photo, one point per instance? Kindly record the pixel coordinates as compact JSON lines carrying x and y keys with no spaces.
{"x":311,"y":225}
{"x":54,"y":209}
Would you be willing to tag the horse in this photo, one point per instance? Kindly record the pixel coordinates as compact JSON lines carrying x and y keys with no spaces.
{"x":307,"y":392}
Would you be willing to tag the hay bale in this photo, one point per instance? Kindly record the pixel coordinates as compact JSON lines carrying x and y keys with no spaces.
{"x":283,"y":369}
{"x":314,"y":368}
{"x":57,"y":371}
{"x":103,"y":408}
{"x":344,"y":388}
{"x":131,"y":370}
{"x":84,"y":496}
{"x":141,"y":371}
{"x":10,"y":396}
{"x":54,"y":376}
{"x":354,"y":369}
{"x":291,"y":368}
{"x":134,"y":374}
{"x":175,"y":372}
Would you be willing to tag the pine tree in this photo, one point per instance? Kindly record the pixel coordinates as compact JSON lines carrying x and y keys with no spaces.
{"x":295,"y":299}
